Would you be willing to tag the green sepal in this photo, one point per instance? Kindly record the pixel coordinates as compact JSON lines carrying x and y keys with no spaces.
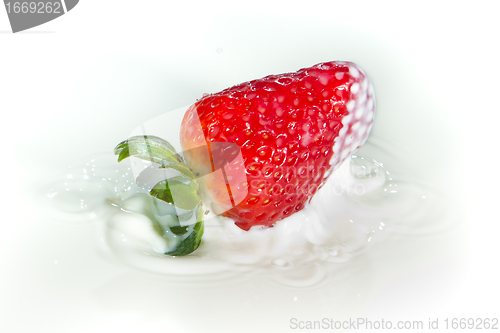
{"x":179,"y":230}
{"x":139,"y":138}
{"x":187,"y":181}
{"x":182,"y":168}
{"x":149,"y":148}
{"x":186,"y":196}
{"x":183,"y":187}
{"x":191,"y":242}
{"x":123,"y":154}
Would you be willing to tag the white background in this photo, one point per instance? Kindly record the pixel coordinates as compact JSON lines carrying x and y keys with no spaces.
{"x":81,"y":83}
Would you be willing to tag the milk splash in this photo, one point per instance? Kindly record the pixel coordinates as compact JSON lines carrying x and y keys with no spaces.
{"x":359,"y":205}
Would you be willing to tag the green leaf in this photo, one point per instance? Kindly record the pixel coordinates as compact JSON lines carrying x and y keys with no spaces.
{"x":183,"y":169}
{"x":179,"y":230}
{"x":184,"y":218}
{"x":199,"y":226}
{"x":149,"y":148}
{"x":191,"y":242}
{"x":181,"y":190}
{"x":124,"y":153}
{"x":187,"y":181}
{"x":175,"y":192}
{"x":151,"y":138}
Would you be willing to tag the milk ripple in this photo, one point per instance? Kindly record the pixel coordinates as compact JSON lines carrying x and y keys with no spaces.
{"x":360,"y":205}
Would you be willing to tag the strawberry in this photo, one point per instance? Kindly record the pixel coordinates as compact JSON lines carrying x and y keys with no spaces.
{"x":259,"y":151}
{"x":290,"y":131}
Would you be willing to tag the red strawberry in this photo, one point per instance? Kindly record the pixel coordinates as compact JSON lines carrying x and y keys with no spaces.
{"x":293,"y":130}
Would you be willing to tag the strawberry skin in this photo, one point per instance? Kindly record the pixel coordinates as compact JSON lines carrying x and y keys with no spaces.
{"x":293,"y":131}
